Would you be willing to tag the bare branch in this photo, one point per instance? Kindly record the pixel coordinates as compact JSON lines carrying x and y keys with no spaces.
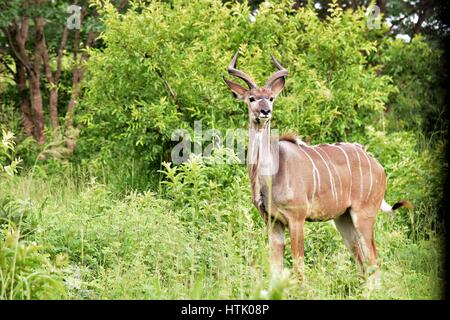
{"x":169,"y":88}
{"x":122,"y":5}
{"x":19,"y":53}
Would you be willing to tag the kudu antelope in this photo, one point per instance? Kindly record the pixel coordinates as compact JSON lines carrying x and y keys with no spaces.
{"x":293,"y":182}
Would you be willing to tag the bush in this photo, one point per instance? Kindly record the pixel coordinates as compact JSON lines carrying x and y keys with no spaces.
{"x":9,"y":164}
{"x":192,"y":243}
{"x":201,"y":238}
{"x":25,"y":271}
{"x":416,"y":70}
{"x":412,"y":173}
{"x":162,"y":68}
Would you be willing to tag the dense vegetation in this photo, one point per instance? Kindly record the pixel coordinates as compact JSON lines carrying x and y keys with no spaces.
{"x":115,"y":219}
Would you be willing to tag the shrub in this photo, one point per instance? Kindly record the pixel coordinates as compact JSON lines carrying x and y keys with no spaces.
{"x":416,"y":70}
{"x":9,"y":164}
{"x":412,"y":173}
{"x":162,"y":69}
{"x":25,"y":271}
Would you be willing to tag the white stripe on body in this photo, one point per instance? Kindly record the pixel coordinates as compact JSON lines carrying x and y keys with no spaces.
{"x":333,"y":187}
{"x":360,"y":172}
{"x":370,"y":174}
{"x":349,"y":169}
{"x":335,"y":170}
{"x":315,"y":171}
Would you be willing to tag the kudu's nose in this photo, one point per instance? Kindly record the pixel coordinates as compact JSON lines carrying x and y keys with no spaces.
{"x":265,"y":112}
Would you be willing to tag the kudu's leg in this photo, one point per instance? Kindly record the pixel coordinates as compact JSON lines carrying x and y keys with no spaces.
{"x":364,"y":222}
{"x":297,"y":247}
{"x":357,"y":230}
{"x":276,"y":244}
{"x":344,"y":224}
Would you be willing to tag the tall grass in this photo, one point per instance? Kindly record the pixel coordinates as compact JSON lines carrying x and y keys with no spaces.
{"x":199,"y":238}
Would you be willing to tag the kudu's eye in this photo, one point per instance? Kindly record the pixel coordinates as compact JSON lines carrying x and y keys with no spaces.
{"x":251,"y":99}
{"x":271,"y":99}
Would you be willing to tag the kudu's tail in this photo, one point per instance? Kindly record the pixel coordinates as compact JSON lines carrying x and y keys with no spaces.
{"x":385,"y":207}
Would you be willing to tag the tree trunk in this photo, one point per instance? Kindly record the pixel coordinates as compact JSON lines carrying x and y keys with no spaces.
{"x":77,"y":77}
{"x":382,"y":5}
{"x":24,"y":94}
{"x":28,"y":68}
{"x":17,"y":35}
{"x":36,"y":102}
{"x":53,"y":99}
{"x":53,"y":106}
{"x":35,"y":79}
{"x":76,"y":86}
{"x":54,"y":79}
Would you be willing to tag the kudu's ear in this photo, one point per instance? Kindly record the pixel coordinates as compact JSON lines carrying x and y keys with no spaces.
{"x":237,"y":90}
{"x":277,"y":85}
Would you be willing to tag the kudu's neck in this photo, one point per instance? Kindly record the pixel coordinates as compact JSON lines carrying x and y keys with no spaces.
{"x":259,"y":143}
{"x":261,"y":156}
{"x":262,"y":164}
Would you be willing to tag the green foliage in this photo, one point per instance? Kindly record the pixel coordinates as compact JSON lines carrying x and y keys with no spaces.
{"x":55,"y":14}
{"x":209,"y":244}
{"x":163,"y":65}
{"x":9,"y":164}
{"x":142,"y":245}
{"x":416,"y":70}
{"x":119,"y":221}
{"x":416,"y":173}
{"x":192,"y":185}
{"x":26,"y":272}
{"x":412,"y":173}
